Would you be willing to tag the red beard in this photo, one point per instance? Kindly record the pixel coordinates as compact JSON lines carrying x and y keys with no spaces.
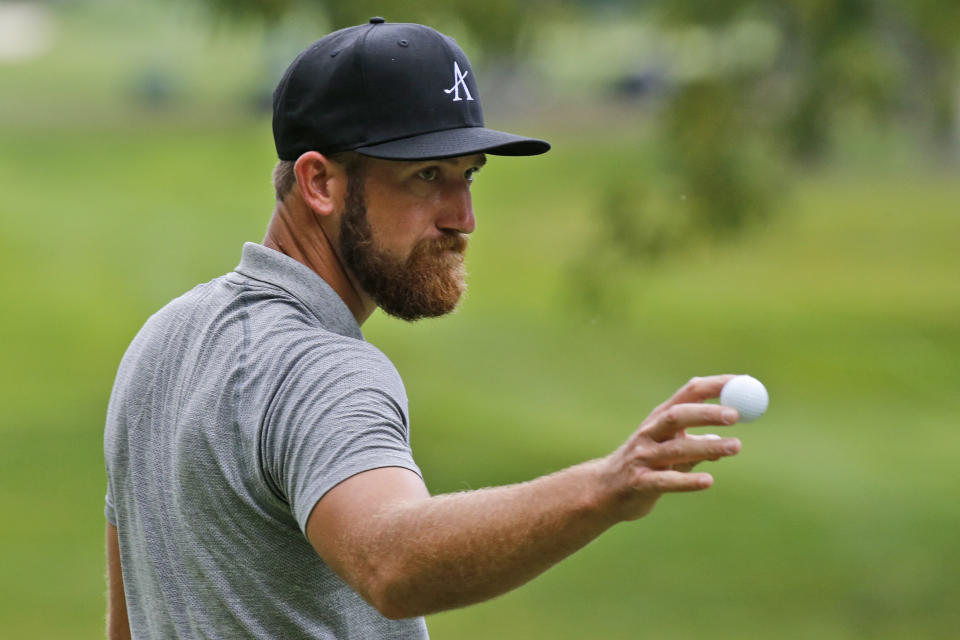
{"x":429,"y":283}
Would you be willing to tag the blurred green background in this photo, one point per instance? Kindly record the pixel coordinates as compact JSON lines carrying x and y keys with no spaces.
{"x":765,"y":187}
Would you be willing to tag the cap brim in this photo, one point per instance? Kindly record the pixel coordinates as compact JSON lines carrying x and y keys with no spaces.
{"x":450,"y":143}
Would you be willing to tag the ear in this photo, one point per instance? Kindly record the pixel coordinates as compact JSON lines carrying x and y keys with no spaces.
{"x":322,"y":182}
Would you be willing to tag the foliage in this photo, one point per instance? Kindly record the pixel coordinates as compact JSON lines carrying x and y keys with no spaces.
{"x":886,"y":59}
{"x":494,"y":25}
{"x":729,"y":136}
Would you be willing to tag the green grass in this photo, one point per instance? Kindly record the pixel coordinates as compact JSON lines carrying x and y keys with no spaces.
{"x":837,"y":520}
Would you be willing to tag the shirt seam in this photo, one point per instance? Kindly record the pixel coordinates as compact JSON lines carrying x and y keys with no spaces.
{"x":267,"y":284}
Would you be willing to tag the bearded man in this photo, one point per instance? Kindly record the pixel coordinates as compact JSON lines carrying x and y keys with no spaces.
{"x":260,"y":478}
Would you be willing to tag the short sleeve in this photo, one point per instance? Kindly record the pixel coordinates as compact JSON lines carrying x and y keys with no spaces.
{"x":340,"y":410}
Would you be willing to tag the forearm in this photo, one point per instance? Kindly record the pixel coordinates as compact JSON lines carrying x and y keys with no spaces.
{"x":457,"y":549}
{"x":118,"y":627}
{"x":409,"y":554}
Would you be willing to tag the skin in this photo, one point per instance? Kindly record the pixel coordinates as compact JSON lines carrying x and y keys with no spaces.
{"x":118,"y":627}
{"x":433,"y":195}
{"x":411,"y":554}
{"x":406,"y":552}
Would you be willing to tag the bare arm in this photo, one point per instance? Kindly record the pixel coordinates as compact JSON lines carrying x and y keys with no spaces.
{"x":118,"y":627}
{"x":409,"y":554}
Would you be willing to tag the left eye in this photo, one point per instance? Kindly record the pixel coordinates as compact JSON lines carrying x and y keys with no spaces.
{"x":429,"y":174}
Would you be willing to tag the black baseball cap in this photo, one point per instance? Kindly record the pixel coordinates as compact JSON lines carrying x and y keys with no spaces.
{"x":398,"y":91}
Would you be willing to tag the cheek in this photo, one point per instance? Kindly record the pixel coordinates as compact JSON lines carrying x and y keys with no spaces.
{"x":402,"y":212}
{"x":401,"y":228}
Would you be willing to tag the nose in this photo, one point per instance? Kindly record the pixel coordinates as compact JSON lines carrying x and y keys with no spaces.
{"x":457,"y":212}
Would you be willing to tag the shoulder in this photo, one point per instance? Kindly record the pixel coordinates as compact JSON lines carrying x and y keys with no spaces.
{"x":306,"y":362}
{"x":162,"y":328}
{"x":349,"y":359}
{"x":331,"y":389}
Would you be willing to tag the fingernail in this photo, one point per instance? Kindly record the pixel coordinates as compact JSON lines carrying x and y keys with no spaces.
{"x":732,"y":446}
{"x":729,"y":416}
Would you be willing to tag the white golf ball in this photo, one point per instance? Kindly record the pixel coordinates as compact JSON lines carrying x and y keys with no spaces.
{"x":747,"y":395}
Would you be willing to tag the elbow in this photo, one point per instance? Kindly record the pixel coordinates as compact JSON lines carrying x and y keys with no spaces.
{"x":393,"y":600}
{"x":394,"y":611}
{"x":390,"y":590}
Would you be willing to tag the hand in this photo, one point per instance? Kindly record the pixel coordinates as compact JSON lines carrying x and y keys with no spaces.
{"x":657,"y":458}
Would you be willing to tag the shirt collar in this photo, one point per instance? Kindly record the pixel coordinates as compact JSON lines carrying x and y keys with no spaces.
{"x":297,"y":279}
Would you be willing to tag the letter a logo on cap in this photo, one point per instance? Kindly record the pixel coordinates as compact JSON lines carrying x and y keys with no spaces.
{"x":459,"y":78}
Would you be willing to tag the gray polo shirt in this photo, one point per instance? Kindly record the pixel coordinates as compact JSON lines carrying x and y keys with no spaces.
{"x":235,"y":409}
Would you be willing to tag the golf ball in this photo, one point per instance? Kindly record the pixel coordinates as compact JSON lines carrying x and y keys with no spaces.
{"x":747,"y":395}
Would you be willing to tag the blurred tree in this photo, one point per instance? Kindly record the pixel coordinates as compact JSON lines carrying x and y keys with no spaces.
{"x":494,"y":25}
{"x":928,"y":32}
{"x":882,"y":57}
{"x":728,"y":133}
{"x":885,"y":58}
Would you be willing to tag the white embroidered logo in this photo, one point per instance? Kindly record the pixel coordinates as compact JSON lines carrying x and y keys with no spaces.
{"x":459,"y":79}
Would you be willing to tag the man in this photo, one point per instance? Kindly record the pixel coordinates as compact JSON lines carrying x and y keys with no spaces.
{"x":260,"y":478}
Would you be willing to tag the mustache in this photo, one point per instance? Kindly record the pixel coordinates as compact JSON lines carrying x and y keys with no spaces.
{"x":450,"y":241}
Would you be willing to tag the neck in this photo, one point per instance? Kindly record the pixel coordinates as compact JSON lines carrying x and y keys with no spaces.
{"x":296,"y":231}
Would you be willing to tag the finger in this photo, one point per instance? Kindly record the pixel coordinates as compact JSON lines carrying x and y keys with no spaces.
{"x":667,"y":424}
{"x":686,"y":451}
{"x":673,"y":482}
{"x":696,"y":390}
{"x":689,"y":466}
